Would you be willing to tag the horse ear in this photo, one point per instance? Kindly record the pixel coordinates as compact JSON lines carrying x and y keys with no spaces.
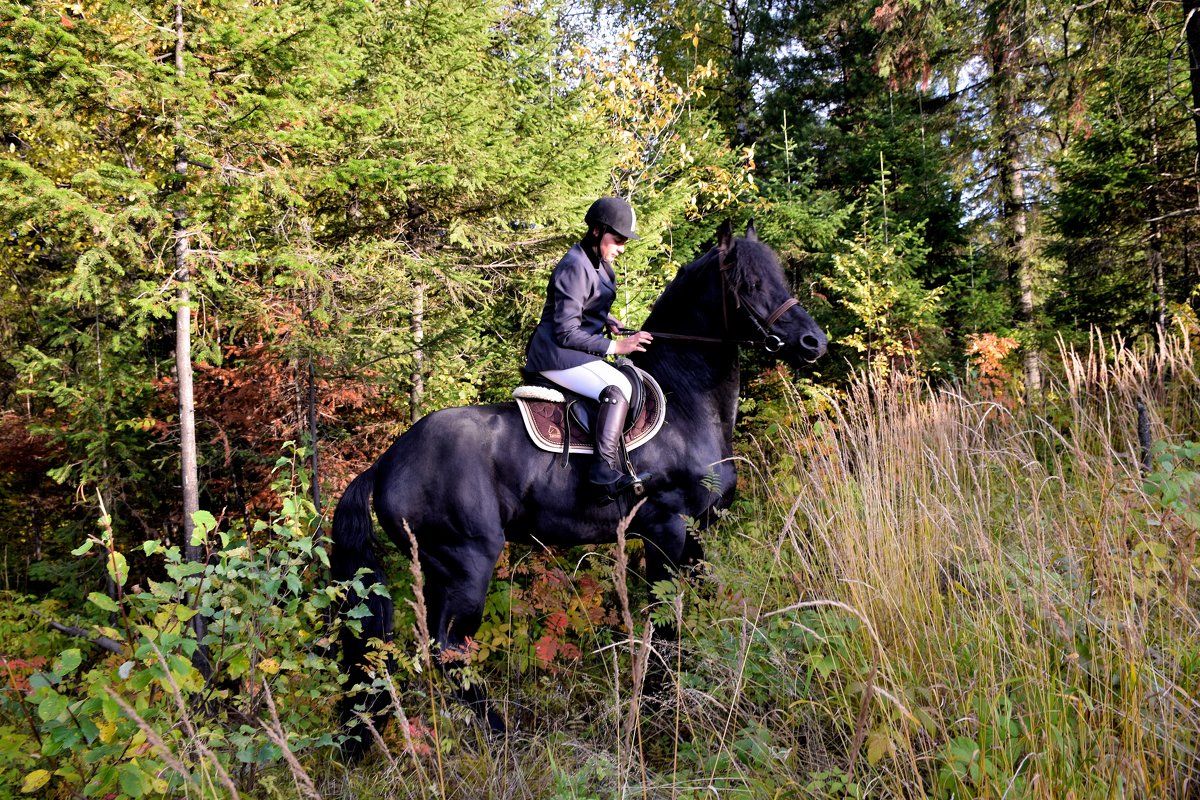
{"x":725,"y":237}
{"x":751,"y":233}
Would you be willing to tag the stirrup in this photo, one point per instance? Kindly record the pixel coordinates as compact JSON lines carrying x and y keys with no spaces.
{"x":636,"y":484}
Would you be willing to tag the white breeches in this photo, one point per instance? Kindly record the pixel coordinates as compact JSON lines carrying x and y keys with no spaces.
{"x":591,"y":379}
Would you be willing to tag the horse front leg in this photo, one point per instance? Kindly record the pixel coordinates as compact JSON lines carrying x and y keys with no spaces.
{"x":667,"y":542}
{"x":667,"y":546}
{"x":666,"y":538}
{"x":455,"y":594}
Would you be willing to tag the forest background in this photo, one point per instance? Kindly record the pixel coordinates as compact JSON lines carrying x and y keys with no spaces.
{"x":248,"y":243}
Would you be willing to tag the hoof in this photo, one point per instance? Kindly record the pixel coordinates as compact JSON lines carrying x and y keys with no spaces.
{"x":354,"y":751}
{"x":496,"y":724}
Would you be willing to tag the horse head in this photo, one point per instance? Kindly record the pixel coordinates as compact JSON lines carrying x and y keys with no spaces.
{"x":758,"y":304}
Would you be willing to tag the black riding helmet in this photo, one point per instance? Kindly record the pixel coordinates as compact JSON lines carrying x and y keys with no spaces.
{"x":614,"y":214}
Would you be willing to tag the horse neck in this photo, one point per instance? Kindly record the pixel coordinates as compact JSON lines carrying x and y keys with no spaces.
{"x":699,"y":386}
{"x":701,"y":378}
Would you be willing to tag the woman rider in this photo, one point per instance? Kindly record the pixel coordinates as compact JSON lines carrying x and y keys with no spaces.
{"x":569,"y":346}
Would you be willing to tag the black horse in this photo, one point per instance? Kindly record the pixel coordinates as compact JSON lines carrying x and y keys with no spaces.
{"x":465,"y":480}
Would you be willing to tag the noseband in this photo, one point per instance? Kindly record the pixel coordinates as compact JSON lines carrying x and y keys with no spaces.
{"x":771,"y":342}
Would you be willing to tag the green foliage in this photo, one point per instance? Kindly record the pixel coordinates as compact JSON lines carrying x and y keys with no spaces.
{"x":894,"y":319}
{"x":146,"y":721}
{"x":1001,"y":614}
{"x":1174,"y":485}
{"x":911,"y":597}
{"x":539,"y":615}
{"x":337,"y":167}
{"x":1120,"y":181}
{"x":665,"y":160}
{"x":1107,"y":185}
{"x":1163,"y":563}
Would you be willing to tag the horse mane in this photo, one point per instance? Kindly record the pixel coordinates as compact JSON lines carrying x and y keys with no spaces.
{"x":750,"y":264}
{"x":686,"y":279}
{"x":754,"y":263}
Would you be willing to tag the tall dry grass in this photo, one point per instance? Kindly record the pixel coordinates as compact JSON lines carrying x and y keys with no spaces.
{"x":1027,"y":628}
{"x":923,"y":592}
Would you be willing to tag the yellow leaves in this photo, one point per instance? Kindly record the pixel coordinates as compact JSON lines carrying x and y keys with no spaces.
{"x":988,"y":352}
{"x":35,"y":780}
{"x":879,"y":744}
{"x":170,"y":617}
{"x":68,"y":10}
{"x":657,"y":139}
{"x":269,"y":665}
{"x":748,"y":157}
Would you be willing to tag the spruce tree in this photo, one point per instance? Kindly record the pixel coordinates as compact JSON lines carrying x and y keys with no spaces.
{"x":319,"y":161}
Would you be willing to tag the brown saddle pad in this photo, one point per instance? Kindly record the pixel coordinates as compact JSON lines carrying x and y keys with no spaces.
{"x":545,"y":411}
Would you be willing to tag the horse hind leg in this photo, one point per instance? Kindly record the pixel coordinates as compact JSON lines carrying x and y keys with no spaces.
{"x":363,"y":662}
{"x":360,"y":711}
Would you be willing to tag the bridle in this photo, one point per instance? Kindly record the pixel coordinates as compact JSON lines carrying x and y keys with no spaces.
{"x":770,"y":341}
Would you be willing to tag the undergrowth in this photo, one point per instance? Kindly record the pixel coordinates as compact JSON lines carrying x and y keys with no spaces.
{"x":921,"y":592}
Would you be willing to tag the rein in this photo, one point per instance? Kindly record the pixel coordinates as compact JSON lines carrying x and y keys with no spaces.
{"x":770,"y":342}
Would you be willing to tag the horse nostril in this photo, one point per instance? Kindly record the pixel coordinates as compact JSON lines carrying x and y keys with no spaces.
{"x":811,"y":342}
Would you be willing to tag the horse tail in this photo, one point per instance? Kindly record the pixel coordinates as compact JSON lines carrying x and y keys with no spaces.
{"x":353,"y":550}
{"x":353,"y":531}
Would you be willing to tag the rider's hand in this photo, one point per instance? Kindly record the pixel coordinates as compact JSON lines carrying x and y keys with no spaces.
{"x":634,"y":343}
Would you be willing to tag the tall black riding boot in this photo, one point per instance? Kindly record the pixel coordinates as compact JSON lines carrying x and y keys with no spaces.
{"x":609,"y":470}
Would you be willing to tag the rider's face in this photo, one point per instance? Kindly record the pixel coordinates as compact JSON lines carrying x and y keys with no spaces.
{"x":611,"y":246}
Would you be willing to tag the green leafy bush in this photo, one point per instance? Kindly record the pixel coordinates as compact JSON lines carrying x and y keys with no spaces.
{"x":172,"y":711}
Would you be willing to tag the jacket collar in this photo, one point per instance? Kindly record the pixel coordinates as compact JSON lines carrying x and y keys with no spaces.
{"x":594,"y":259}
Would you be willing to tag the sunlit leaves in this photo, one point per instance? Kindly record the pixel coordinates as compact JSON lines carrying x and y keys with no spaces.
{"x":663,"y":142}
{"x":893,"y":313}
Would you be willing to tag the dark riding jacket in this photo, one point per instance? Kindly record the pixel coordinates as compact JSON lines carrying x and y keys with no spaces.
{"x":571,"y":330}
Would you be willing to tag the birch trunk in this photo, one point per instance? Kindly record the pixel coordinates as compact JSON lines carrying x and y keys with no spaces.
{"x":183,"y":353}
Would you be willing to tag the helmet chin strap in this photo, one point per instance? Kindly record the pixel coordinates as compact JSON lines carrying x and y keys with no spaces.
{"x":591,"y":244}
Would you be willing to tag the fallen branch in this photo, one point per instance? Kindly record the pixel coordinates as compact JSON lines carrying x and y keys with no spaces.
{"x":111,"y":645}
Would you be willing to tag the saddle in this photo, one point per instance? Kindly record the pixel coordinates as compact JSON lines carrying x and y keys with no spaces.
{"x":560,"y":421}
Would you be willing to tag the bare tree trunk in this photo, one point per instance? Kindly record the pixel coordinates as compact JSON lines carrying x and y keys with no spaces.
{"x":1024,"y":264}
{"x":183,"y":351}
{"x":313,"y":418}
{"x":37,"y":537}
{"x":416,"y":396}
{"x":312,"y":435}
{"x":110,"y":586}
{"x":1008,"y":58}
{"x":735,"y":16}
{"x":1191,"y":26}
{"x":183,"y":323}
{"x":1154,"y":255}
